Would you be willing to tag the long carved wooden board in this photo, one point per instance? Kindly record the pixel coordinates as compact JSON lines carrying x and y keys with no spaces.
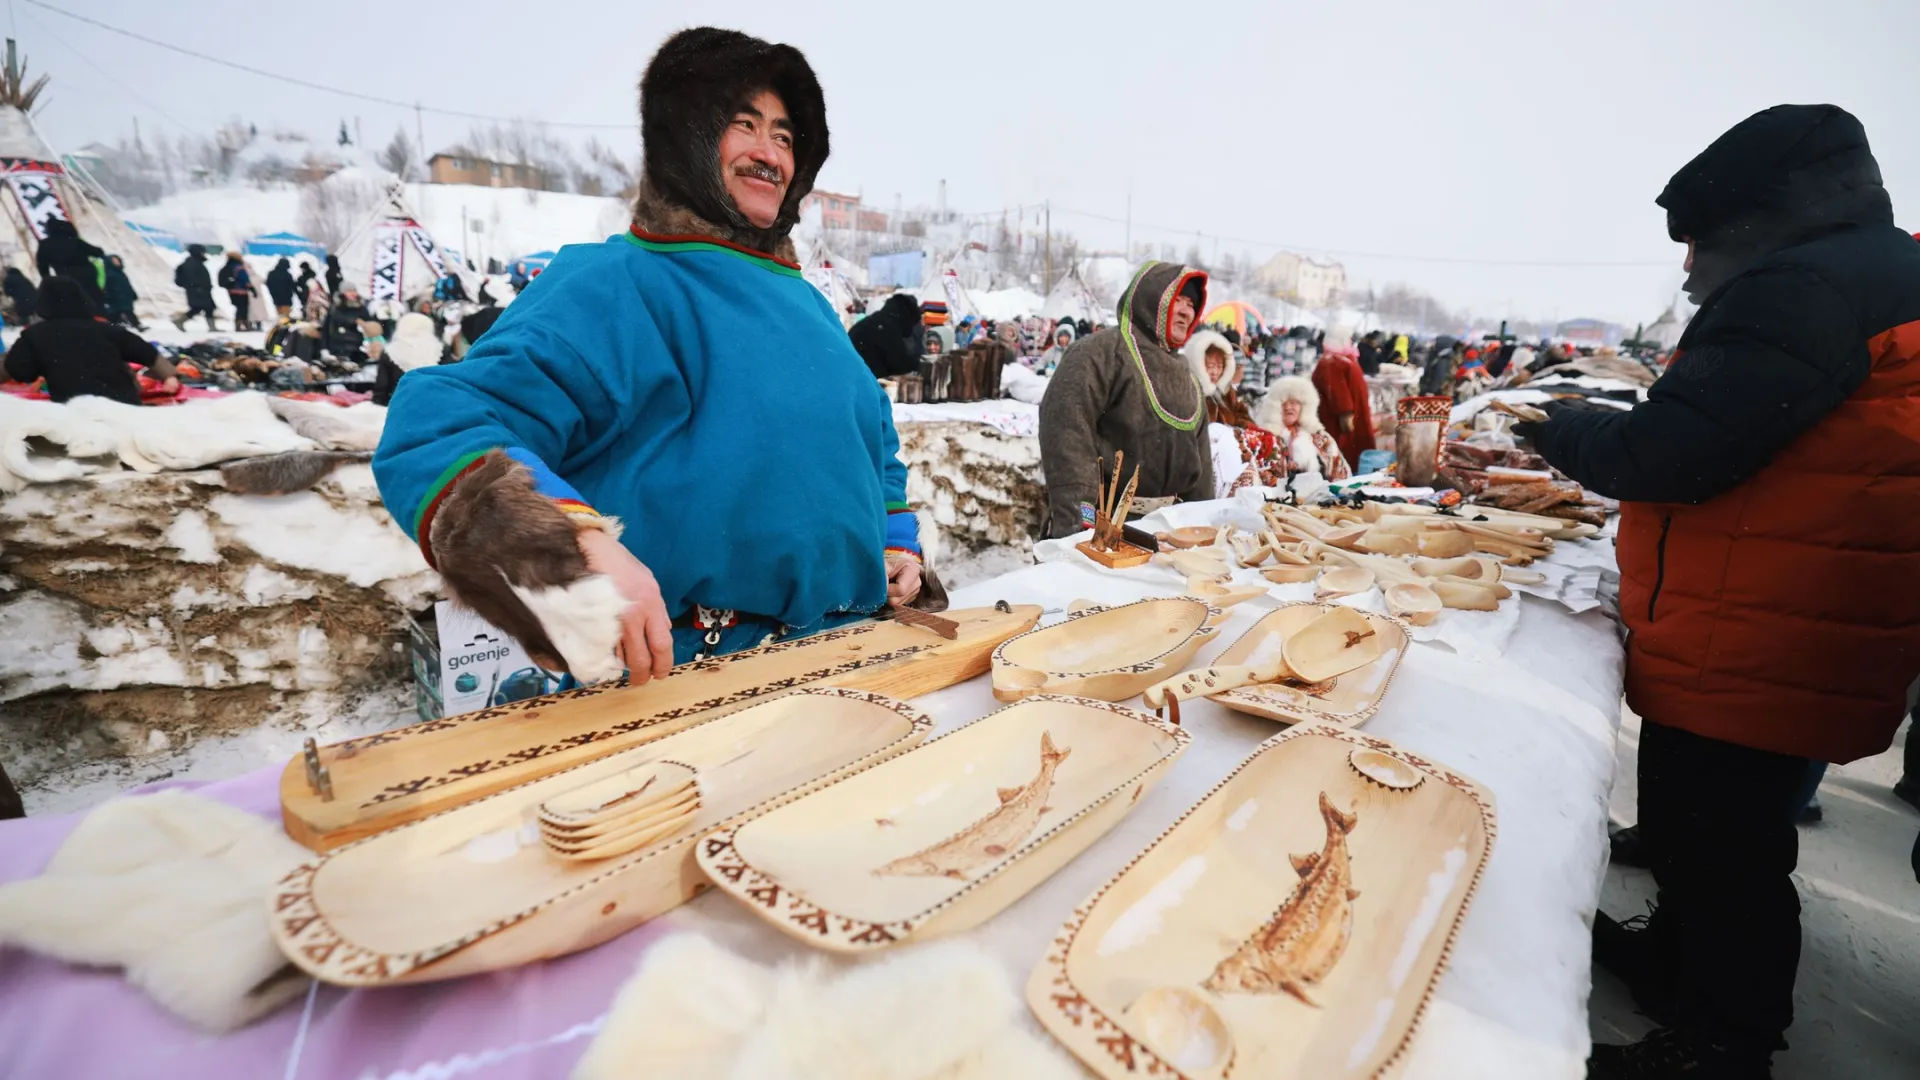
{"x":390,"y":778}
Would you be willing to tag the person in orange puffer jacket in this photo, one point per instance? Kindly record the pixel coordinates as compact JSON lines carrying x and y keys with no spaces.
{"x":1770,"y":563}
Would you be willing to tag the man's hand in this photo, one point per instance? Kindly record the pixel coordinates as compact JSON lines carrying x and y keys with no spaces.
{"x":903,"y":581}
{"x":646,"y":631}
{"x":1346,"y":422}
{"x":170,"y":384}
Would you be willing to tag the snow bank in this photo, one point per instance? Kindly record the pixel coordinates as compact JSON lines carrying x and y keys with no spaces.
{"x":981,"y":487}
{"x":146,"y":611}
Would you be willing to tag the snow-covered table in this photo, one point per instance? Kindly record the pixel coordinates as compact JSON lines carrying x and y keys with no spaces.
{"x":1535,"y":726}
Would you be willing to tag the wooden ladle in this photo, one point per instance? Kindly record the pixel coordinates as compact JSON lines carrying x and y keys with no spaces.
{"x":1329,"y":646}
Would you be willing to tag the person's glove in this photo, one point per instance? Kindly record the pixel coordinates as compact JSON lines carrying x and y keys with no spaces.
{"x":1530,"y":429}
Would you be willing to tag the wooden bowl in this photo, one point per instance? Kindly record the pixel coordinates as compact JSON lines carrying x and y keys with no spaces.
{"x":1107,"y":653}
{"x":1291,"y":575}
{"x":1351,"y":699}
{"x":942,"y":838}
{"x":1416,"y":603}
{"x":1211,"y":922}
{"x":1343,"y":581}
{"x":476,"y":889}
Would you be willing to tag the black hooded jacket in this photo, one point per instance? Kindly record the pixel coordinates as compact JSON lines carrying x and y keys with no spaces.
{"x":192,"y":276}
{"x":1798,"y":264}
{"x":280,"y":284}
{"x":690,"y":92}
{"x":21,"y":292}
{"x":63,"y":252}
{"x":75,"y":351}
{"x":889,"y":340}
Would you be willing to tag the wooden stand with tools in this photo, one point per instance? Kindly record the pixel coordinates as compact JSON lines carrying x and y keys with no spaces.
{"x":1110,"y":519}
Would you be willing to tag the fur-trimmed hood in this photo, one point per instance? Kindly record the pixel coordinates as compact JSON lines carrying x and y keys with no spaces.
{"x":1281,"y":391}
{"x":1148,"y":301}
{"x":688,"y":94}
{"x":1196,"y":351}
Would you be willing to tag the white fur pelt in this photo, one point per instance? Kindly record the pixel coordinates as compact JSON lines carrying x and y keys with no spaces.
{"x":173,"y":888}
{"x":698,"y":1012}
{"x":583,"y":622}
{"x":1196,"y":352}
{"x":356,"y":427}
{"x":193,"y":434}
{"x":414,"y":343}
{"x":29,"y":429}
{"x":1021,"y":384}
{"x":1290,"y":388}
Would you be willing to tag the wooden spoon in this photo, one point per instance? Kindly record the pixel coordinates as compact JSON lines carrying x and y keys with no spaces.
{"x":1328,"y":647}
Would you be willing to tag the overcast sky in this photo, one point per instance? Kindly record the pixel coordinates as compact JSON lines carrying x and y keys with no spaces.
{"x":1388,"y":134}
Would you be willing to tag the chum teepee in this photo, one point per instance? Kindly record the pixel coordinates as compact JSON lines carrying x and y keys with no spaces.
{"x":41,"y":188}
{"x":1071,"y":298}
{"x":393,"y":256}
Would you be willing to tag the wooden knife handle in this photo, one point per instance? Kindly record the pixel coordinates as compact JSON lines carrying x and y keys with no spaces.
{"x":1206,"y":682}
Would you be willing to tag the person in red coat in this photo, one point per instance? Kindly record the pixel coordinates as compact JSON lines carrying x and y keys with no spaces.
{"x":1769,"y":565}
{"x":1344,"y":406}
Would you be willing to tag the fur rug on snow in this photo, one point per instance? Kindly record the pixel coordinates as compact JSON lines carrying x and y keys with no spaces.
{"x":356,"y":427}
{"x":45,"y":443}
{"x":194,"y":434}
{"x":172,"y":887}
{"x":697,"y":1012}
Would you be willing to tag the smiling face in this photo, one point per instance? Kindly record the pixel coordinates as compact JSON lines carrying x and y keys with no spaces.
{"x":1290,"y":413}
{"x":756,"y":158}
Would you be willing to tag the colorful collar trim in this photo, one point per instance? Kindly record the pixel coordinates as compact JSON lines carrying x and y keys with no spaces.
{"x":1178,"y":423}
{"x":669,"y":245}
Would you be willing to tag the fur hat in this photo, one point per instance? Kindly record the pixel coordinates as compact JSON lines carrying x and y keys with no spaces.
{"x":414,"y":343}
{"x":689,"y":94}
{"x":1283,"y":390}
{"x":1196,"y":352}
{"x":1064,"y":326}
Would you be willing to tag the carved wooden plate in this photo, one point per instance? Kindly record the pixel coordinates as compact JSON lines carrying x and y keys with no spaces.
{"x":1111,"y":653}
{"x":476,"y":888}
{"x":1351,"y":699}
{"x":1292,"y":924}
{"x":943,"y":838}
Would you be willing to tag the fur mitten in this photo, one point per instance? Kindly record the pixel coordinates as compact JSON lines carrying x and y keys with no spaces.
{"x":697,"y":1012}
{"x":513,"y":557}
{"x":173,"y":888}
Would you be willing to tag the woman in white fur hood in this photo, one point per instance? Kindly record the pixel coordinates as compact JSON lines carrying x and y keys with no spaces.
{"x":1291,"y":410}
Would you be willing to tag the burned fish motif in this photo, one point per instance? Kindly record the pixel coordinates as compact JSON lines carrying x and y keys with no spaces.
{"x":988,"y":839}
{"x":1306,"y":937}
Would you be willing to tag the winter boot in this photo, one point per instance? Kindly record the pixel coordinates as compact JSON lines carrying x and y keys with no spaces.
{"x":1627,"y":950}
{"x":1908,"y":789}
{"x":180,"y":323}
{"x":1625,"y":848}
{"x":1674,"y":1055}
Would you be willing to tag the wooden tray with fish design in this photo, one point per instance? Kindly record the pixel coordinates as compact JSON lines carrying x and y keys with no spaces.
{"x":378,"y":781}
{"x":495,"y":883}
{"x":944,"y":837}
{"x":1292,"y":924}
{"x":1351,"y":700}
{"x":1111,"y":653}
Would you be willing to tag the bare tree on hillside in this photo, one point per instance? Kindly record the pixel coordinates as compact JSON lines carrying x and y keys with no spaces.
{"x":332,"y":210}
{"x":398,"y":156}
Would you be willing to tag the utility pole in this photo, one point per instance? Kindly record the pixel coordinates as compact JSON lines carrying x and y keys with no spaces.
{"x":1128,"y":250}
{"x":1049,"y":247}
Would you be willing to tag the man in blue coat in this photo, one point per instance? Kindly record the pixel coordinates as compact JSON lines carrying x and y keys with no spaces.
{"x":673,"y":418}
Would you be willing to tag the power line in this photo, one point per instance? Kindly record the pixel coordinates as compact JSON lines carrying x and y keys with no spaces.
{"x":112,"y":78}
{"x":323,"y":88}
{"x":1446,"y":259}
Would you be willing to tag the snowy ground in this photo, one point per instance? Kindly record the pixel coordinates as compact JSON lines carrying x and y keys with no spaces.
{"x":1858,"y":995}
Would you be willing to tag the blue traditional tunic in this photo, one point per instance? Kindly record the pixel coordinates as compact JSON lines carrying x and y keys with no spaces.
{"x":702,"y":393}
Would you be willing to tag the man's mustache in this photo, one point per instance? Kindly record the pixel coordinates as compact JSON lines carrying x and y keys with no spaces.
{"x":760,"y":170}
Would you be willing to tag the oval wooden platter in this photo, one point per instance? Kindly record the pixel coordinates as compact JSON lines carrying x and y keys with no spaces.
{"x":1292,"y":924}
{"x":389,"y":778}
{"x":1350,"y":700}
{"x":1111,"y":653}
{"x":477,"y":888}
{"x":944,"y":837}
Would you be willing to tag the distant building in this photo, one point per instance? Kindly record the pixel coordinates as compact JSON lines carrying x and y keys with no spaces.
{"x":1589,"y":332}
{"x":1307,"y":282}
{"x":839,"y":211}
{"x":462,"y":169}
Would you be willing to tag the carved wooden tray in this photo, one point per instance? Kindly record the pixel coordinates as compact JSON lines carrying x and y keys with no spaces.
{"x":1351,"y":700}
{"x":393,"y":777}
{"x":477,"y":888}
{"x":944,"y":837}
{"x":1291,"y":925}
{"x":1111,"y":653}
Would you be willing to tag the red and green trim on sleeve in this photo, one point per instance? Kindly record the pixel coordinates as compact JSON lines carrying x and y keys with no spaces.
{"x":903,"y":532}
{"x":545,"y":482}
